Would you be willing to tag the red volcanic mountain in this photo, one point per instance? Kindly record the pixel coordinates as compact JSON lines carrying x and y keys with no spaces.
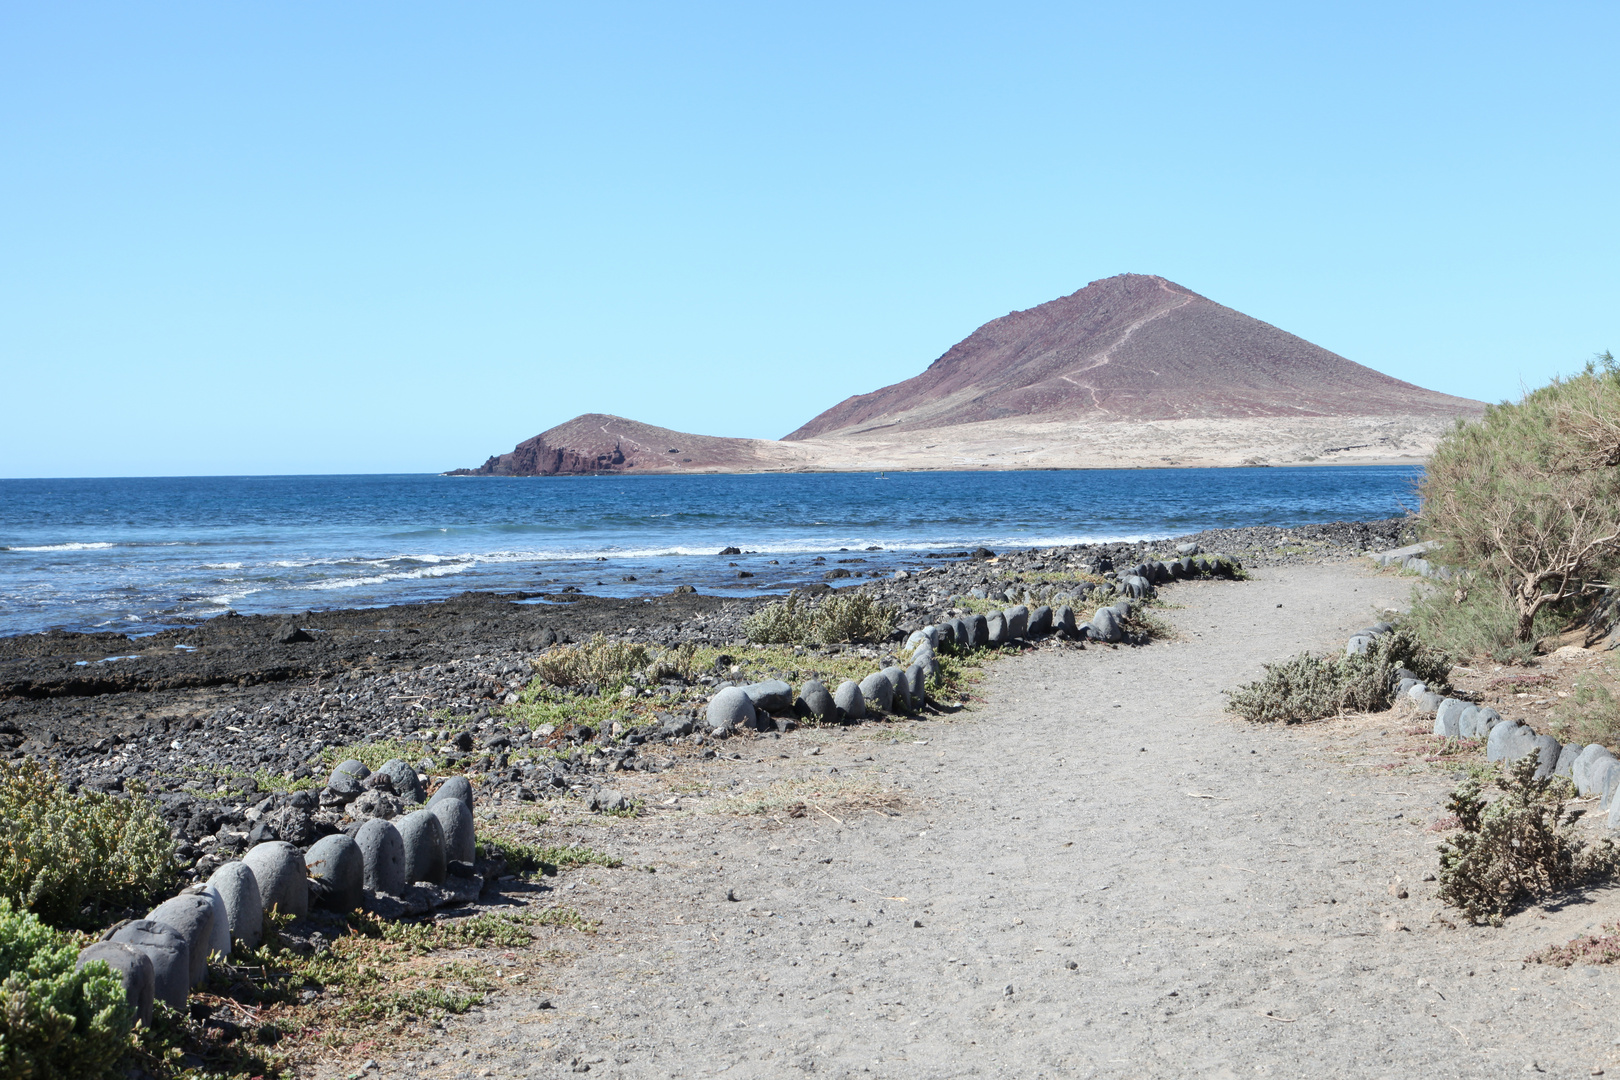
{"x":1131,"y":347}
{"x":1110,"y":359}
{"x":599,"y":443}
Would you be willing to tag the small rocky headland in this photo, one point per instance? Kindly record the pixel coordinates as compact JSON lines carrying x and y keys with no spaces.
{"x":344,"y":790}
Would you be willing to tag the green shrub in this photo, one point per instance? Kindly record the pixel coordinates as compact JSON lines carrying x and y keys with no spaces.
{"x":1476,"y":622}
{"x":598,"y":661}
{"x":1526,"y":500}
{"x":526,"y":858}
{"x":1521,"y":846}
{"x":673,"y":663}
{"x":1591,"y":714}
{"x":1310,"y":687}
{"x":610,"y":664}
{"x":788,"y":621}
{"x":844,"y":616}
{"x":853,"y":616}
{"x":67,"y":857}
{"x":56,"y":1022}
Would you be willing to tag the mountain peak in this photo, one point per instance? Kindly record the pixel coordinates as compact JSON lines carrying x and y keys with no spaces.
{"x":1130,"y":347}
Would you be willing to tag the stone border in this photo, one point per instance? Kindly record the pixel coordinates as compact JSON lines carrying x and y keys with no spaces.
{"x":1411,"y":558}
{"x":774,"y":705}
{"x":419,"y":861}
{"x":1592,"y":768}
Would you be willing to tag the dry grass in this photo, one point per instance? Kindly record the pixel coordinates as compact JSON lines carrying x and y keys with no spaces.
{"x":375,"y":985}
{"x":607,"y":663}
{"x":850,"y":616}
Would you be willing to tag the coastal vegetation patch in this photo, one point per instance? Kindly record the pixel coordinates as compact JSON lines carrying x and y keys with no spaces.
{"x":70,"y":858}
{"x":1308,"y":687}
{"x":610,"y":663}
{"x":839,"y":617}
{"x":1525,"y":505}
{"x":1591,"y":712}
{"x":375,"y":981}
{"x":1518,"y":847}
{"x":58,"y":1021}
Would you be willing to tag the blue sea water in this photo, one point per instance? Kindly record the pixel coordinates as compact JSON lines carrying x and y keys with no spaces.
{"x":141,"y":554}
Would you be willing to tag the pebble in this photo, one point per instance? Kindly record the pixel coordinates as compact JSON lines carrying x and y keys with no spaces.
{"x":770,"y":696}
{"x":383,"y":853}
{"x":849,"y":700}
{"x":816,"y":701}
{"x":239,"y":890}
{"x":1448,"y":716}
{"x":917,"y":678}
{"x":453,"y":787}
{"x":1105,"y":626}
{"x":278,"y":867}
{"x":354,"y":767}
{"x":423,"y":840}
{"x":996,"y":629}
{"x":900,"y":688}
{"x":343,"y":788}
{"x":407,"y":785}
{"x":166,"y":948}
{"x":877,"y":691}
{"x":336,"y":864}
{"x":1508,"y":742}
{"x":728,"y":710}
{"x":1581,"y":770}
{"x":192,"y":916}
{"x":219,"y":941}
{"x":460,"y":837}
{"x":978,"y":631}
{"x":133,"y":969}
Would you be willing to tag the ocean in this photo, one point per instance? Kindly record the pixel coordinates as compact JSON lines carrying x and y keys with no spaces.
{"x":138,"y":555}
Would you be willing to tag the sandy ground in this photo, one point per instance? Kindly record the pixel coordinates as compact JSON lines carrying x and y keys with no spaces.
{"x":1095,"y":873}
{"x":1020,"y":443}
{"x":1117,"y":444}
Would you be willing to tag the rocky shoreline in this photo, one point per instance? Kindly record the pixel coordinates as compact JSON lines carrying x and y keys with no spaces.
{"x":218,"y":721}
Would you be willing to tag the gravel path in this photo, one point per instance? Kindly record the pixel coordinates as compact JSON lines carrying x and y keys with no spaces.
{"x":1083,"y":910}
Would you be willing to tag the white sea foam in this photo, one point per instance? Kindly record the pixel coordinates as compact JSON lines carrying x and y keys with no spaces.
{"x":383,"y":579}
{"x":222,"y":566}
{"x":63,"y":547}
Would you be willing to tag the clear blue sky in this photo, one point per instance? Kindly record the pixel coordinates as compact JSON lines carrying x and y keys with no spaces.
{"x":374,"y":237}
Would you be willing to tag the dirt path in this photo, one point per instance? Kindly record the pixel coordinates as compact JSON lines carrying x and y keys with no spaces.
{"x":1082,"y":910}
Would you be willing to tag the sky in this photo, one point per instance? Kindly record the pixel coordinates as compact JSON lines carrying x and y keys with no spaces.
{"x":366,"y":237}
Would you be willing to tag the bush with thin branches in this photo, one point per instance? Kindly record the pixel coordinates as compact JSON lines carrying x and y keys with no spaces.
{"x":1526,"y":500}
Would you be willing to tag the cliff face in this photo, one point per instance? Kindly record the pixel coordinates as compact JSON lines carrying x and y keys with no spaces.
{"x":1131,"y":347}
{"x":598,"y":443}
{"x":537,"y":457}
